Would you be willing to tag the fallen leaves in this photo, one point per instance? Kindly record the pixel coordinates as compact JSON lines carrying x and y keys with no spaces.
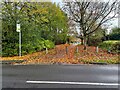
{"x":59,"y":55}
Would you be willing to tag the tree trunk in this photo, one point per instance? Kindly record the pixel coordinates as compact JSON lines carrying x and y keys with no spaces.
{"x":85,"y":42}
{"x":88,"y":40}
{"x":82,"y":41}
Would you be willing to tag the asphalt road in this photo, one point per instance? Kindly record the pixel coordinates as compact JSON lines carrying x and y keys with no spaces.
{"x":60,"y":76}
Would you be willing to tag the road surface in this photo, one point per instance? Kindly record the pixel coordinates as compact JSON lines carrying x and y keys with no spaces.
{"x":60,"y":76}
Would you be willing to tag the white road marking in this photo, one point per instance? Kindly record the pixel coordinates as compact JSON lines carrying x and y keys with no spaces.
{"x":75,"y":83}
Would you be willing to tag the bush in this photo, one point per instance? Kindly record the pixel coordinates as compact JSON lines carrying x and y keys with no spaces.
{"x":48,"y":44}
{"x":116,"y":47}
{"x":111,"y":44}
{"x":9,"y":49}
{"x":29,"y":47}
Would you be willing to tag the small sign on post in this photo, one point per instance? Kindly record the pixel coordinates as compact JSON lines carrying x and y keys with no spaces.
{"x":18,"y":28}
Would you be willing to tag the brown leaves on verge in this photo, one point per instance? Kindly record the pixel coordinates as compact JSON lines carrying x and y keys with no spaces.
{"x":59,"y":55}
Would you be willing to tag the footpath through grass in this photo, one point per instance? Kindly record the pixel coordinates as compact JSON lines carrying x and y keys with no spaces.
{"x":75,"y":55}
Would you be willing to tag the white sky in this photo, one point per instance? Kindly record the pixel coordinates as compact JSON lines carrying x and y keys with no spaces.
{"x":114,"y":22}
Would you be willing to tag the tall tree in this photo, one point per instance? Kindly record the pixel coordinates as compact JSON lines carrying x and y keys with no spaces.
{"x":54,"y":21}
{"x":39,"y":21}
{"x":89,"y":15}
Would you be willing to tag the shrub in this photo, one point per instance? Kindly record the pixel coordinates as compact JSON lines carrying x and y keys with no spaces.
{"x":116,"y":47}
{"x":48,"y":44}
{"x":40,"y":45}
{"x":9,"y":49}
{"x":111,"y":44}
{"x":29,"y":47}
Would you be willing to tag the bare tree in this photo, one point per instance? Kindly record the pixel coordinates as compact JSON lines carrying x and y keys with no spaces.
{"x":89,"y":15}
{"x":72,"y":28}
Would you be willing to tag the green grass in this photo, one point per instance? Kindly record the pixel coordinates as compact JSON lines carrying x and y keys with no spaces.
{"x":110,"y":61}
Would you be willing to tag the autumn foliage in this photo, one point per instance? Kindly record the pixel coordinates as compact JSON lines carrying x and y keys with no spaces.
{"x":58,"y":55}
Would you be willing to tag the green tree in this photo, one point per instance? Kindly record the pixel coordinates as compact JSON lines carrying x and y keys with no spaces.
{"x":115,"y":34}
{"x":40,"y":21}
{"x":54,"y":25}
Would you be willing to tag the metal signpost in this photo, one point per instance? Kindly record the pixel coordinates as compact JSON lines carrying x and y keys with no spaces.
{"x":18,"y":30}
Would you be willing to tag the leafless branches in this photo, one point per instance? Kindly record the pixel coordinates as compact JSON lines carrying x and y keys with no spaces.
{"x":90,"y":15}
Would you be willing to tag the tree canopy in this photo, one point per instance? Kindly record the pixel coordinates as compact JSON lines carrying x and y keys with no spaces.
{"x":40,"y":21}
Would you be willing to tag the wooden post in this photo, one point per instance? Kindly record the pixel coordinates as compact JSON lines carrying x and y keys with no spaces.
{"x":97,"y":49}
{"x":77,"y":50}
{"x":66,"y":49}
{"x":46,"y":51}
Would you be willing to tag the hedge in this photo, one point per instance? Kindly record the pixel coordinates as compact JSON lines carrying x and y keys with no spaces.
{"x":12,"y":49}
{"x":112,"y":45}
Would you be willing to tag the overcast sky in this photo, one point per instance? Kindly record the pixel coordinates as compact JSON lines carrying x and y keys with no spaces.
{"x":114,"y":22}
